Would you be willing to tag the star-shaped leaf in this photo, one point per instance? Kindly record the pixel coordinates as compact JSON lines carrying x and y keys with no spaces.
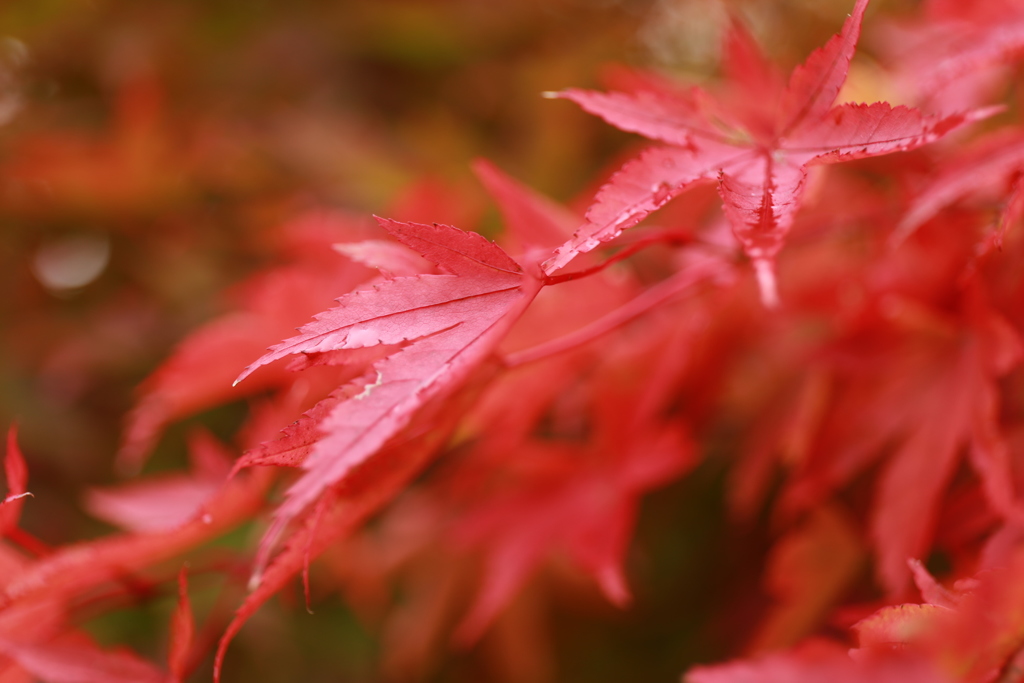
{"x":755,"y":138}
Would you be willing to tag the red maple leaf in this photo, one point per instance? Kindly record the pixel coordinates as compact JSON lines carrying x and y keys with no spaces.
{"x":441,"y":327}
{"x":756,"y":139}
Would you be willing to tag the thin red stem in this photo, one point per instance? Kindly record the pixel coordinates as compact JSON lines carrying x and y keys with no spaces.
{"x":675,"y":236}
{"x":650,"y":298}
{"x":28,"y":542}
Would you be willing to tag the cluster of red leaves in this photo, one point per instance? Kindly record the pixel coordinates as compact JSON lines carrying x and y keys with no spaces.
{"x":877,"y":384}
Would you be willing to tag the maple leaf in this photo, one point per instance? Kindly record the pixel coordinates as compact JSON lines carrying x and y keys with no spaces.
{"x":758,"y":150}
{"x":989,"y":165}
{"x":446,"y":325}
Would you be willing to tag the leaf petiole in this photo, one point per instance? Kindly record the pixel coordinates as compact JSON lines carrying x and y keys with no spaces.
{"x":650,"y":298}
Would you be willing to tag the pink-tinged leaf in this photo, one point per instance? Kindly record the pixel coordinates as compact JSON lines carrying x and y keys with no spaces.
{"x":761,"y":200}
{"x":17,"y":479}
{"x":409,"y":308}
{"x":533,"y":219}
{"x":814,"y":85}
{"x":182,"y":632}
{"x":357,"y":428}
{"x":453,"y":322}
{"x":78,"y":662}
{"x":454,"y":251}
{"x":393,"y":260}
{"x":781,"y":140}
{"x":817,"y":661}
{"x":642,"y":186}
{"x":988,"y":166}
{"x":856,"y":131}
{"x":670,"y":116}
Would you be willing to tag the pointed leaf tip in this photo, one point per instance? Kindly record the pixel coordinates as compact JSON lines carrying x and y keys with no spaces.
{"x":815,"y":84}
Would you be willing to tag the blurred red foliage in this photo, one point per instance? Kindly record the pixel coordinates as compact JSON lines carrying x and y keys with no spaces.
{"x":608,"y":443}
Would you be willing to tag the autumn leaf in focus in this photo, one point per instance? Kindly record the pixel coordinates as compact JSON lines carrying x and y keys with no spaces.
{"x":440,"y":327}
{"x":756,"y":138}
